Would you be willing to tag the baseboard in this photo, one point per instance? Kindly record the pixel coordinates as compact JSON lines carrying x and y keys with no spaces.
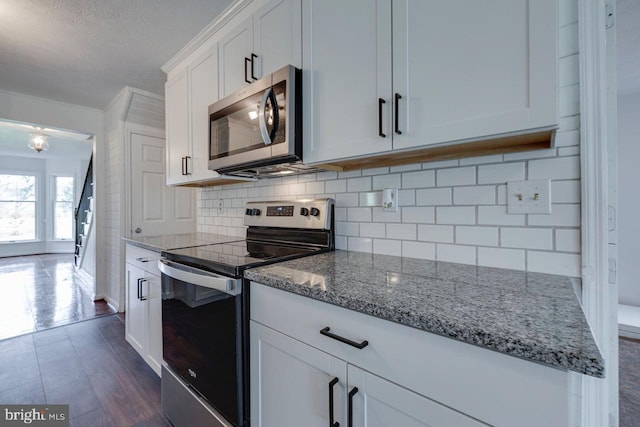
{"x":629,"y":321}
{"x":84,"y":275}
{"x":112,"y":303}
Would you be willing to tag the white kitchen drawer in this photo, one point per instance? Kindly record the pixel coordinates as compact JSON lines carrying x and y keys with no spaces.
{"x":144,"y":259}
{"x":490,"y":386}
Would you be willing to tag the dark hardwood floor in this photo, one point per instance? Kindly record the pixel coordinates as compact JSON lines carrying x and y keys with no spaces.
{"x":87,"y":365}
{"x":41,"y":292}
{"x":629,"y":360}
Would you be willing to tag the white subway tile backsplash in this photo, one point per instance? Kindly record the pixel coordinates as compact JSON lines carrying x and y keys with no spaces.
{"x":359,"y":214}
{"x":481,"y":160}
{"x":347,"y":228}
{"x":477,"y":195}
{"x":567,"y":12}
{"x":527,"y":238}
{"x":433,"y":197}
{"x":479,"y":236}
{"x":561,"y":215}
{"x":456,"y":176}
{"x":420,"y":179}
{"x":347,"y":199}
{"x":341,"y":243}
{"x":500,"y":174}
{"x":497,"y":215}
{"x":359,"y":184}
{"x":565,"y":191}
{"x":324,"y":176}
{"x":419,"y":214}
{"x":569,"y":123}
{"x":568,"y":240}
{"x":419,"y":250}
{"x":349,"y":174}
{"x":567,"y":139}
{"x":316,"y":187}
{"x":340,"y":214}
{"x":308,"y":177}
{"x":527,"y":155}
{"x":298,"y":189}
{"x":568,"y":40}
{"x":379,"y":215}
{"x":360,"y":244}
{"x":501,"y":258}
{"x":456,"y":215}
{"x":336,"y":186}
{"x":436,"y":233}
{"x":569,"y":71}
{"x":281,"y":190}
{"x":441,"y":164}
{"x":375,"y":171}
{"x":456,"y":253}
{"x":401,"y":231}
{"x":387,"y":181}
{"x":372,"y":229}
{"x":406,"y":197}
{"x":554,"y":263}
{"x":557,"y":168}
{"x":502,"y":194}
{"x":569,"y":100}
{"x":405,"y":168}
{"x":569,"y":151}
{"x":387,"y":247}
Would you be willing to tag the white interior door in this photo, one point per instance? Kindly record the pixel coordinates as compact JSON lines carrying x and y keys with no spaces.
{"x":156,"y":208}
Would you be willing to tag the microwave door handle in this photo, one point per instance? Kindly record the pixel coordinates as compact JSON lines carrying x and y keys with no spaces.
{"x":261,"y":120}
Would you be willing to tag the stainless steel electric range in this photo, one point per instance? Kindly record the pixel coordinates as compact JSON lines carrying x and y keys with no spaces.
{"x":205,"y":312}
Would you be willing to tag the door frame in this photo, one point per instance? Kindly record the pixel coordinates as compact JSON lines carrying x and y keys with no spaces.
{"x":599,"y":297}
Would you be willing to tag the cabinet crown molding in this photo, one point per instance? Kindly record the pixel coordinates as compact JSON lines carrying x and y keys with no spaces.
{"x":208,"y":31}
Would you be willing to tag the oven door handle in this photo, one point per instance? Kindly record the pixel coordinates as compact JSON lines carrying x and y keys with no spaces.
{"x":199,"y":277}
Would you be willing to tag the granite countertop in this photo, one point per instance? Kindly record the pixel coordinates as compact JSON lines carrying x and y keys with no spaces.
{"x":177,"y":241}
{"x":533,"y":316}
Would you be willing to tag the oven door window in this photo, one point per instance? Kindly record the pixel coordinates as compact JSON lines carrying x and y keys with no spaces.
{"x":252,"y":123}
{"x":201,"y":340}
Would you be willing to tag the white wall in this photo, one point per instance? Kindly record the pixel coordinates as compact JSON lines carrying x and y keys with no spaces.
{"x":628,"y":201}
{"x":452,"y":210}
{"x":49,"y":113}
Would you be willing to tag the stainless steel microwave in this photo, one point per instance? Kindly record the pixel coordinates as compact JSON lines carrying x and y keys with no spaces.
{"x":258,"y":129}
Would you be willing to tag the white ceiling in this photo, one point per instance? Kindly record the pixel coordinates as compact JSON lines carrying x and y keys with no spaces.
{"x":85,"y":51}
{"x":628,"y":46}
{"x":14,"y":138}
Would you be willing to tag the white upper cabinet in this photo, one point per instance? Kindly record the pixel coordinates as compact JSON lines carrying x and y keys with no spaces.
{"x":263,"y":43}
{"x":404,"y":74}
{"x":467,"y":69}
{"x":203,"y":90}
{"x":346,"y":71}
{"x":177,"y":123}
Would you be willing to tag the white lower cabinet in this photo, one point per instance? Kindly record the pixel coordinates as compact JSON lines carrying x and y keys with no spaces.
{"x":404,"y":377}
{"x":143,"y":318}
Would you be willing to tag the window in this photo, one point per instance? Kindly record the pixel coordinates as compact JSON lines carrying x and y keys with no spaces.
{"x":63,"y":208}
{"x":17,"y":207}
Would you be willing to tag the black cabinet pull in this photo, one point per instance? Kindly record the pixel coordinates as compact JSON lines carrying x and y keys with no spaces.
{"x":246,"y":76}
{"x":359,"y":345}
{"x":380,"y":102}
{"x":397,"y":98}
{"x":253,"y":56}
{"x":142,"y":280}
{"x":351,"y":394}
{"x":139,"y":288}
{"x":186,"y":165}
{"x":332,"y":423}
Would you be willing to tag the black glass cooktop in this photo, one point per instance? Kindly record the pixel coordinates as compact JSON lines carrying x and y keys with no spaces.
{"x":232,"y":258}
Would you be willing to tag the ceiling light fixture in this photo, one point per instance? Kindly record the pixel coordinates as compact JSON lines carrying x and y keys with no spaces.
{"x":38,"y":141}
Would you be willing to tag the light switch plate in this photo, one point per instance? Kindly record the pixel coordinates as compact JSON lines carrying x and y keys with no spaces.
{"x":529,"y":197}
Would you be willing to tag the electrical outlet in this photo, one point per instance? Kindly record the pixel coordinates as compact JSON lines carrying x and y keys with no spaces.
{"x":220,"y":206}
{"x":529,"y":197}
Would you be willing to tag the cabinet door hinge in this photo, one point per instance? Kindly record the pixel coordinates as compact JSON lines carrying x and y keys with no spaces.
{"x":610,"y":15}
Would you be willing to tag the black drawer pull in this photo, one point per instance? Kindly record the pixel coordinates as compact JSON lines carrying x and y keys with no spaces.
{"x":359,"y":345}
{"x":253,"y":56}
{"x":331,"y":421}
{"x":398,"y":97}
{"x":380,"y":102}
{"x":350,"y":415}
{"x":246,"y":77}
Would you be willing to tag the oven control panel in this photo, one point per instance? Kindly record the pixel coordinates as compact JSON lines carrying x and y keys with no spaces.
{"x":314,"y":214}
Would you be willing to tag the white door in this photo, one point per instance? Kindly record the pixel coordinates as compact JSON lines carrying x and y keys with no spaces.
{"x":153,"y":293}
{"x":203,"y":87}
{"x":155,"y":207}
{"x":277,"y":36}
{"x":346,"y":71}
{"x":467,"y":69}
{"x":135,"y":321}
{"x":380,"y":403}
{"x":177,"y":123}
{"x":290,"y":382}
{"x":235,"y":59}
